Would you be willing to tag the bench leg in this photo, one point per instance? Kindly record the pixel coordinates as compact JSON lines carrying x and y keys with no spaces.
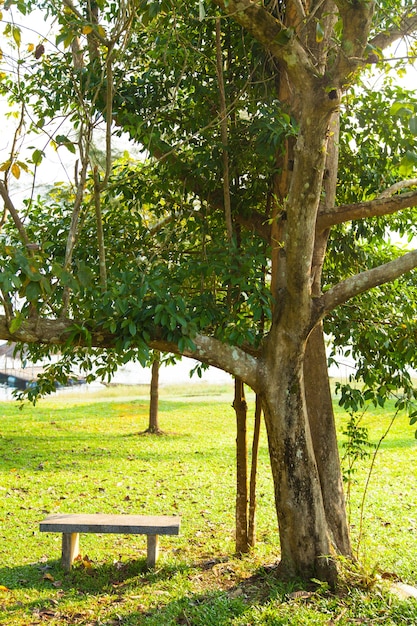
{"x":153,"y":549}
{"x":70,"y":549}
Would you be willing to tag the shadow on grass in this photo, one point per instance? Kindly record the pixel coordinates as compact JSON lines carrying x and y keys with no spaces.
{"x":88,"y":577}
{"x":123,"y":581}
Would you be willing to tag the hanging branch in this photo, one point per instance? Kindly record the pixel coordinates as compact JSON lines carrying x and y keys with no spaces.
{"x":79,"y":196}
{"x":100,"y":232}
{"x":109,"y":112}
{"x":368,"y":480}
{"x":224,"y":133}
{"x":9,"y":206}
{"x":8,"y":166}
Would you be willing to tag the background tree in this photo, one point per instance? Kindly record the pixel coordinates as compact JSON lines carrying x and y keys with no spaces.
{"x":153,"y":426}
{"x":193,"y":287}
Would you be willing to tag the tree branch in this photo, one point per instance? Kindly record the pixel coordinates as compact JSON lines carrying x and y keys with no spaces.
{"x":79,"y":196}
{"x":207,"y":350}
{"x":357,"y":20}
{"x":386,"y":38}
{"x":373,"y":208}
{"x":401,"y":184}
{"x":100,"y":230}
{"x":274,"y":36}
{"x":355,"y":285}
{"x":13,"y":212}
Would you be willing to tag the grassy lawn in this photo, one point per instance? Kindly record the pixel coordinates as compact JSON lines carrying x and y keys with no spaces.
{"x":85,"y":453}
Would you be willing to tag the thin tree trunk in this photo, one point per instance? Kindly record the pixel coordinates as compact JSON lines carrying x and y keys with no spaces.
{"x":240,"y":407}
{"x":100,"y":230}
{"x":154,"y":397}
{"x":224,"y":132}
{"x":253,"y":473}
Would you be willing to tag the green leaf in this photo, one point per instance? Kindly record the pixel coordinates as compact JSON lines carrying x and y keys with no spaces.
{"x":408,"y":163}
{"x":64,"y":141}
{"x":372,"y":51}
{"x":85,"y":276}
{"x":61,"y":37}
{"x":412,"y":124}
{"x":319,"y":32}
{"x":37,"y":156}
{"x":284,"y":36}
{"x":402,"y":109}
{"x":16,"y":323}
{"x":201,"y":10}
{"x":33,"y":291}
{"x":17,"y":35}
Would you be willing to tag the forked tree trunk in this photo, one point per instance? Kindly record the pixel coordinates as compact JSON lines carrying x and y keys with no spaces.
{"x":240,"y":407}
{"x":323,"y":432}
{"x":316,"y":377}
{"x":304,"y":538}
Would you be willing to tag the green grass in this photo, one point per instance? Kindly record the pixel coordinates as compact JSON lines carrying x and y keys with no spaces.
{"x":86,"y":453}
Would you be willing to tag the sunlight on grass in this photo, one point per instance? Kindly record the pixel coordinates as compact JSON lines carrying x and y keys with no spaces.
{"x":87,"y":454}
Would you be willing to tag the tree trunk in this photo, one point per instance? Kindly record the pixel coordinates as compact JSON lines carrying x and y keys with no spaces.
{"x":304,"y":539}
{"x":323,"y":432}
{"x":253,"y":473}
{"x":240,"y":407}
{"x":316,"y":377}
{"x":154,"y":397}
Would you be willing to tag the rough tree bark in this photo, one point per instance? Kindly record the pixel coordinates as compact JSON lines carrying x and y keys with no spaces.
{"x":319,"y":405}
{"x":323,"y":432}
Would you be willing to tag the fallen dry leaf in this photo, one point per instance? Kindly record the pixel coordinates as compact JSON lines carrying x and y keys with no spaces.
{"x":86,"y":562}
{"x":48,"y":577}
{"x":337,"y":619}
{"x":389,"y":576}
{"x":300,"y":595}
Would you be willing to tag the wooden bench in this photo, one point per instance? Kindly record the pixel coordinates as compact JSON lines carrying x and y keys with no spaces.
{"x":71,"y":525}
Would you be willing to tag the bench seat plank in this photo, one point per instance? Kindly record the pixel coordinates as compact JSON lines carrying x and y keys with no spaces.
{"x":109,"y":523}
{"x":72,"y":524}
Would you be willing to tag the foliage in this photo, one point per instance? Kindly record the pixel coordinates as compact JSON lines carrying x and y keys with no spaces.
{"x":356,"y":447}
{"x":376,"y":329}
{"x":184,"y":277}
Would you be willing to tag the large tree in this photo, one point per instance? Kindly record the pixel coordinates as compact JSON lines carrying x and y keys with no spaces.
{"x":215,"y":245}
